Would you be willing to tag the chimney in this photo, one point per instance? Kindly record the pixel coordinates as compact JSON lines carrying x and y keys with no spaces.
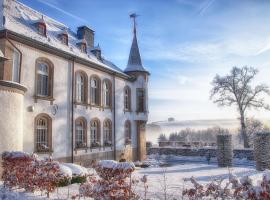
{"x":86,"y":33}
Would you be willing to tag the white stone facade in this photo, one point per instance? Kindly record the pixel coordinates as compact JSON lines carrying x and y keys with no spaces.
{"x":18,"y":109}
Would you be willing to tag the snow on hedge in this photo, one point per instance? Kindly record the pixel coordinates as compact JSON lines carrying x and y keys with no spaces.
{"x":111,"y":164}
{"x":76,"y":170}
{"x":66,"y":171}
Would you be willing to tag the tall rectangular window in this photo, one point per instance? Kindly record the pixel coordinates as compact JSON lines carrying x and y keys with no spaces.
{"x":16,"y":66}
{"x":140,"y":100}
{"x":43,"y":79}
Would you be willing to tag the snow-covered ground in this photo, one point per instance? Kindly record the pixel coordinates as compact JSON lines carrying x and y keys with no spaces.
{"x":171,"y":176}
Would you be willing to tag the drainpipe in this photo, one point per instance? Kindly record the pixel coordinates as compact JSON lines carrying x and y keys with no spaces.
{"x":72,"y":112}
{"x":114,"y":110}
{"x":20,"y":67}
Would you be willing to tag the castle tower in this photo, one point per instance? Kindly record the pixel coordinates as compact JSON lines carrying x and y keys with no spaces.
{"x":140,"y":75}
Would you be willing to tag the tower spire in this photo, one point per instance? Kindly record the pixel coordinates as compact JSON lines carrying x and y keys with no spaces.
{"x":134,"y":60}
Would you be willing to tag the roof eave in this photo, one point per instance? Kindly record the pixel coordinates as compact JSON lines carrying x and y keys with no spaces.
{"x":45,"y":47}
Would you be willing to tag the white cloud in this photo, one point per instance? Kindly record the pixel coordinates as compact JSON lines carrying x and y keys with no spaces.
{"x":57,"y":7}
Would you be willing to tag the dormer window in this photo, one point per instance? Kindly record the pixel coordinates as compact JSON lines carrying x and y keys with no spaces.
{"x":83,"y":47}
{"x":64,"y":39}
{"x":42,"y":29}
{"x":82,"y":44}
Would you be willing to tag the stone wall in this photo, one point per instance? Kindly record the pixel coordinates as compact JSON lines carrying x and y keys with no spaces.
{"x":238,"y":153}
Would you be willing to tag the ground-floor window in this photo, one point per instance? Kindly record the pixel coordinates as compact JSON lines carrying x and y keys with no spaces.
{"x":43,"y":131}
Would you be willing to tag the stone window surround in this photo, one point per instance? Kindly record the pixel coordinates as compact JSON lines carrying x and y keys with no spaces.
{"x":49,"y":131}
{"x":51,"y":80}
{"x":84,"y":122}
{"x":127,"y":88}
{"x":85,"y":101}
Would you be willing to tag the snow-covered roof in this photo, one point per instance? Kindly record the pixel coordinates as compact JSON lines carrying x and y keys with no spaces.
{"x":21,"y":19}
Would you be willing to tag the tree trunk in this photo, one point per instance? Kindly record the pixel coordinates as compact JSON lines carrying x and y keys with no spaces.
{"x":244,"y":130}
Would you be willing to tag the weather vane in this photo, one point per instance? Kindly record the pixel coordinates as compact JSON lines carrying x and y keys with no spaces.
{"x":133,"y":16}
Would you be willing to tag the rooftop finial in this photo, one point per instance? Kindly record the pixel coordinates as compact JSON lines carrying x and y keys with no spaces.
{"x":133,"y":16}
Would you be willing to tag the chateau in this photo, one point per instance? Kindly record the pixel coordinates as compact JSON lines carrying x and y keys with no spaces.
{"x":61,"y":97}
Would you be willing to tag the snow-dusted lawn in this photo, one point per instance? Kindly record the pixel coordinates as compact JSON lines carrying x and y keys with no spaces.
{"x":172,"y":175}
{"x":176,"y":174}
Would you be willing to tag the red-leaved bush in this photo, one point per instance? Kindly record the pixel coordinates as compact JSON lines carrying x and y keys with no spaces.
{"x":242,"y":189}
{"x":114,"y":181}
{"x":21,"y":170}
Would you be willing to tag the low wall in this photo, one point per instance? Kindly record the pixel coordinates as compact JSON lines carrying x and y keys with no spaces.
{"x":238,"y":153}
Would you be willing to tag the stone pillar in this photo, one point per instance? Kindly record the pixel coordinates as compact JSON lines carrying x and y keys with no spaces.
{"x":224,"y":150}
{"x":141,"y":139}
{"x":262,"y":151}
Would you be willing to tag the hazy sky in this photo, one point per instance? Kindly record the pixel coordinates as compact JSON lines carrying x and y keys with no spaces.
{"x":183,"y":44}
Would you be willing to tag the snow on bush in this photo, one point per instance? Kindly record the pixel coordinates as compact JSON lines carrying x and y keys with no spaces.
{"x":26,"y":171}
{"x":112,"y":182}
{"x":243,"y":189}
{"x":76,"y":170}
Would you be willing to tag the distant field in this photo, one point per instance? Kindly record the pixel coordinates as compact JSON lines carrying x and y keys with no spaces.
{"x":154,"y":129}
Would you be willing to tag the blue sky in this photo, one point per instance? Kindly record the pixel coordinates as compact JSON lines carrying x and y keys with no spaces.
{"x":183,"y":43}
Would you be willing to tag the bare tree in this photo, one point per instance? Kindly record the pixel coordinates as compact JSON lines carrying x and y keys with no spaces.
{"x":235,"y":89}
{"x":254,"y":126}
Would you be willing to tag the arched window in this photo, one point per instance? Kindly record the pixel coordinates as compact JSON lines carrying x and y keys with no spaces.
{"x":107,"y":132}
{"x":81,"y":87}
{"x":127,"y":98}
{"x":107,"y":94}
{"x":127,"y":132}
{"x":44,"y":78}
{"x":43,"y":133}
{"x":80,"y":133}
{"x":95,"y":90}
{"x":95,"y":133}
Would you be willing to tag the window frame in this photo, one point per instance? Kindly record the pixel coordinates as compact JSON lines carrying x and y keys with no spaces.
{"x":104,"y":101}
{"x":83,"y":121}
{"x":49,"y":133}
{"x":140,"y":108}
{"x":127,"y":99}
{"x":85,"y":87}
{"x":107,"y":141}
{"x":50,"y":65}
{"x":97,"y":142}
{"x":97,"y":92}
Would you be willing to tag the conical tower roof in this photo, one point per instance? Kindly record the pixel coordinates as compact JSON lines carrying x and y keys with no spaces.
{"x":134,"y":60}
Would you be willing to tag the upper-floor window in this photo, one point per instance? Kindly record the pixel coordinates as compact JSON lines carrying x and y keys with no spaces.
{"x":81,"y":87}
{"x":127,"y":132}
{"x":95,"y":90}
{"x":41,"y":29}
{"x":140,"y":100}
{"x":80,"y":133}
{"x":43,"y":133}
{"x":107,"y":132}
{"x":16,"y":66}
{"x":127,"y":98}
{"x":44,"y":78}
{"x":95,"y":133}
{"x":107,"y":93}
